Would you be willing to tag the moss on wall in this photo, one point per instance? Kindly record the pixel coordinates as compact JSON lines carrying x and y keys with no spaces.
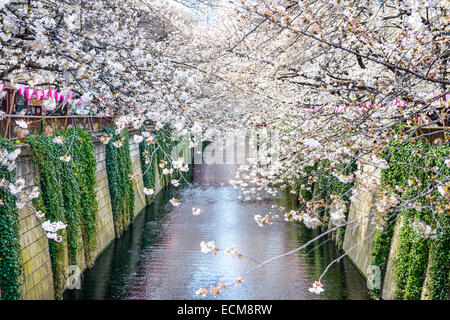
{"x":440,"y":260}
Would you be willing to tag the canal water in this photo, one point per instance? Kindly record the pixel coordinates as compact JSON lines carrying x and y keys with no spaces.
{"x":159,"y":256}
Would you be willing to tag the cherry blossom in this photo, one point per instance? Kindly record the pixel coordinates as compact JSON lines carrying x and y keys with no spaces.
{"x":314,"y":80}
{"x":65,"y":158}
{"x":317,"y":288}
{"x":148,"y":191}
{"x":207,"y":247}
{"x":58,"y":140}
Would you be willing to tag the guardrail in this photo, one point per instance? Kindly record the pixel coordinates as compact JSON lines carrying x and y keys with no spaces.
{"x":10,"y":128}
{"x":434,"y":135}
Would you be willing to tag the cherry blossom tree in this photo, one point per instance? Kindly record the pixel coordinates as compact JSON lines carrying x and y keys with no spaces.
{"x":332,"y":80}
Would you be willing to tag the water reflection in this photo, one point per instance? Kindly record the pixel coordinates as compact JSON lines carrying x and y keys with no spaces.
{"x":159,"y":256}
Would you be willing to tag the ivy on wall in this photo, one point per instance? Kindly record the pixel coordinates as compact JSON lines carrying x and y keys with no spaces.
{"x":411,"y":272}
{"x":440,"y":261}
{"x":327,"y":184}
{"x":118,"y":166}
{"x":11,"y":269}
{"x":85,"y":163}
{"x":67,"y":195}
{"x":46,"y":158}
{"x":408,"y":163}
{"x":381,"y":247}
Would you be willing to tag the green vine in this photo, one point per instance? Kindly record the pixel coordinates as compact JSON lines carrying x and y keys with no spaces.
{"x":67,"y":195}
{"x":46,"y":158}
{"x":118,"y":166}
{"x":327,"y":184}
{"x":85,"y":163}
{"x":302,"y":184}
{"x":440,"y":261}
{"x":11,"y":268}
{"x":380,"y":250}
{"x":408,"y":170}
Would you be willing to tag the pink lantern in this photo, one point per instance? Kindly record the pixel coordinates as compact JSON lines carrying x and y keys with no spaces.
{"x":29,"y":93}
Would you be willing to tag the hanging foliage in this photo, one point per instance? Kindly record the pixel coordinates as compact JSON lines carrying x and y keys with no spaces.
{"x":440,"y":261}
{"x":11,"y":269}
{"x":66,"y":178}
{"x":380,"y":249}
{"x":82,"y":151}
{"x":118,"y":166}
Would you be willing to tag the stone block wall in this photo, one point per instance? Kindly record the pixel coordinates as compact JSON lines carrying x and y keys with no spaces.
{"x":105,"y":223}
{"x":38,"y":276}
{"x":138,"y":183}
{"x":359,"y":234}
{"x":389,"y":278}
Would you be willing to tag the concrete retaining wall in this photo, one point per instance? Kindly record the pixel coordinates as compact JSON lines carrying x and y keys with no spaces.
{"x":38,"y":282}
{"x":105,"y":223}
{"x":359,"y":234}
{"x":38,"y":277}
{"x":138,"y":183}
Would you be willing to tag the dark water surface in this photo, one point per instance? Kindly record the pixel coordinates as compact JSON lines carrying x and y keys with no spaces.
{"x":159,"y":256}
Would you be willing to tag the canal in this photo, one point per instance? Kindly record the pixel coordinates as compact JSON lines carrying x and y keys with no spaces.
{"x":159,"y":256}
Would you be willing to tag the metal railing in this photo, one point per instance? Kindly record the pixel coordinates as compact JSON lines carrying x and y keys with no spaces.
{"x":10,"y":129}
{"x":434,"y":135}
